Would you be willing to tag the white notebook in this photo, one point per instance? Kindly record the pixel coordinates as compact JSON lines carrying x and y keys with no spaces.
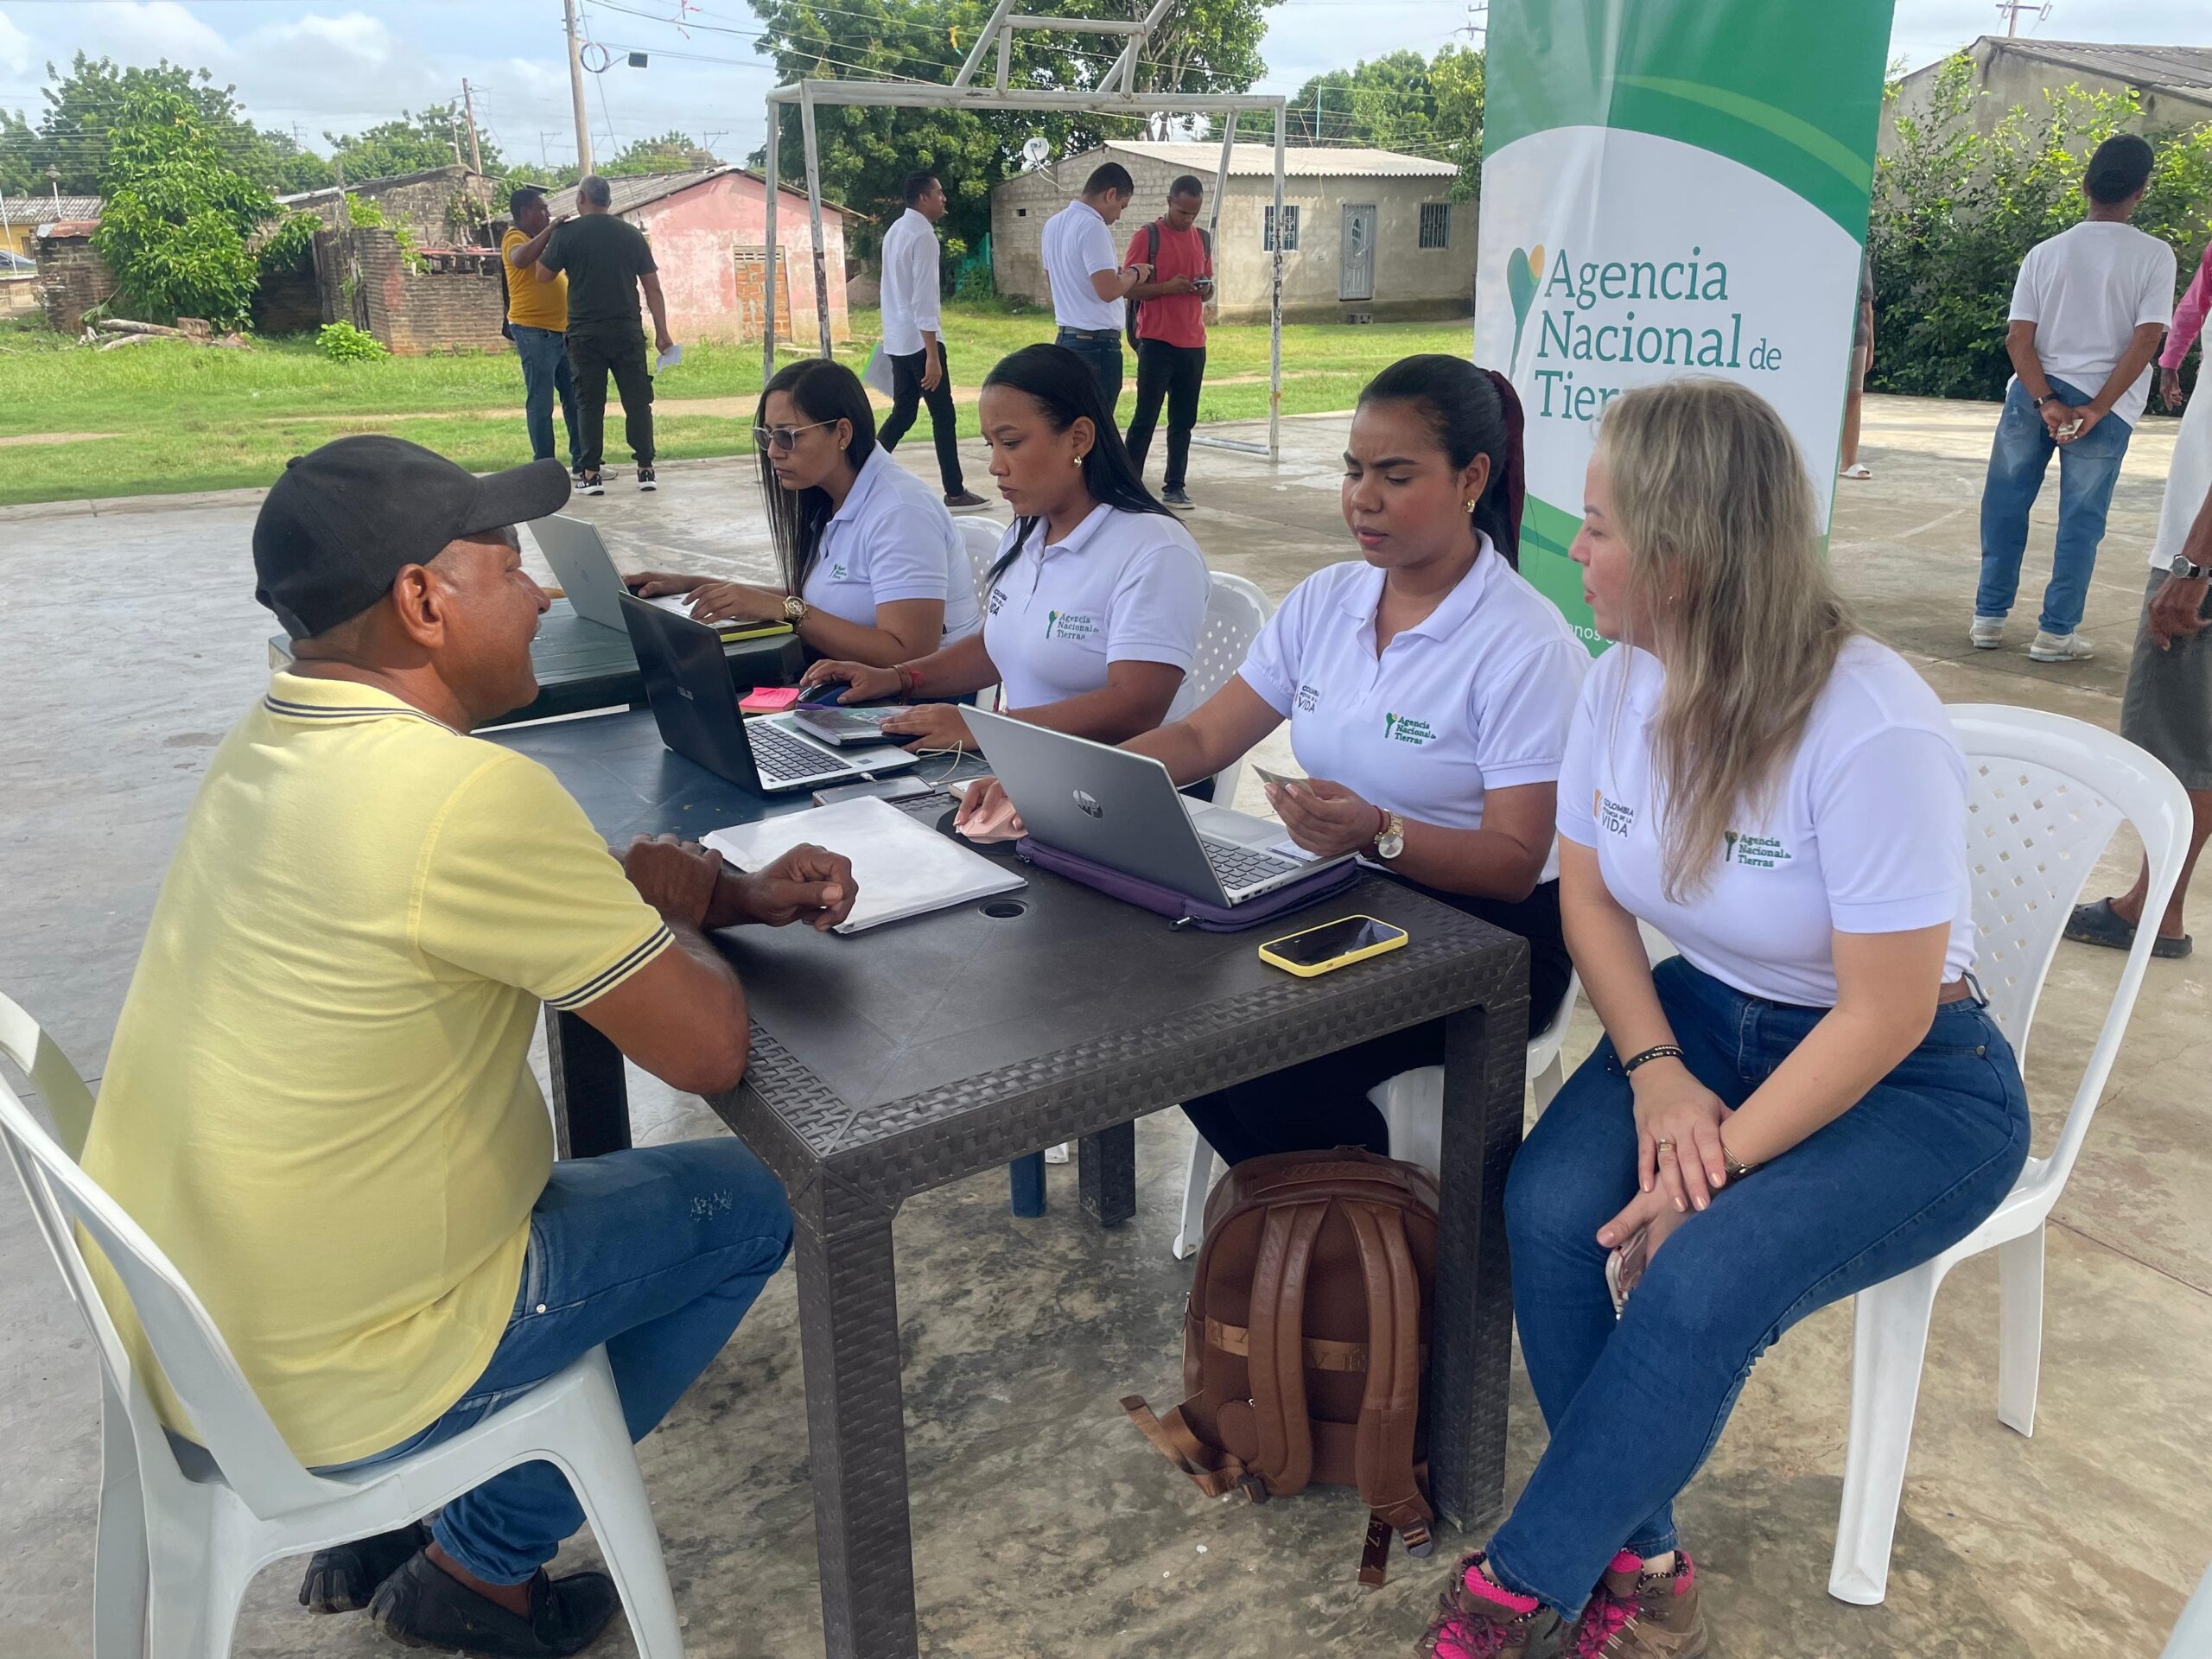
{"x":902,"y":866}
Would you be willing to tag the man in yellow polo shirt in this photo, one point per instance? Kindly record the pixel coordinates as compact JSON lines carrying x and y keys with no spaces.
{"x":318,"y":1101}
{"x":537,"y":319}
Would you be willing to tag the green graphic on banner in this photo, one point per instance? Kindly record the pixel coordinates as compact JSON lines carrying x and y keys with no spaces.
{"x":1670,"y":186}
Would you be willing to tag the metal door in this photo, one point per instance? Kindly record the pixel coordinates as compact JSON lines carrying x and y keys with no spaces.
{"x":1355,"y":270}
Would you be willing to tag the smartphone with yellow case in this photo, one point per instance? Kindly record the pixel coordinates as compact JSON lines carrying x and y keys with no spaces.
{"x":1333,"y":945}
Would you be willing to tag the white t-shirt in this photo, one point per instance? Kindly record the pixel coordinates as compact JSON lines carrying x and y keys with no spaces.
{"x":1479,"y":696}
{"x":1077,"y":244}
{"x":1867,"y":832}
{"x":2087,"y":289}
{"x":909,"y":283}
{"x":2187,"y":483}
{"x":892,"y":539}
{"x":1123,"y":588}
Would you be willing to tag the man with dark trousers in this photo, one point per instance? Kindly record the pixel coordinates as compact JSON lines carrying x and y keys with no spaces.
{"x":913,"y":337}
{"x":1171,"y":330}
{"x":607,"y":260}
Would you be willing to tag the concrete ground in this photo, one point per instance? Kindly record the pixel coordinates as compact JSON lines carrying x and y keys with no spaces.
{"x":1043,"y":1524}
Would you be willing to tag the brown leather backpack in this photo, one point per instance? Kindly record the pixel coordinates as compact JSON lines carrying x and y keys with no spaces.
{"x":1304,"y":1339}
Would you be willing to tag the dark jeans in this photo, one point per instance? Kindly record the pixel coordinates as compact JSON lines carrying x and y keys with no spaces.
{"x":1172,"y":372}
{"x":1323,"y":1102}
{"x":907,"y":395}
{"x":545,"y":370}
{"x":2088,"y":467}
{"x":657,"y":1252}
{"x":594,"y":353}
{"x":1103,"y":357}
{"x":1636,"y":1404}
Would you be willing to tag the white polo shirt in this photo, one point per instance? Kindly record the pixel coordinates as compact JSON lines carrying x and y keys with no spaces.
{"x":1477,"y":696}
{"x":892,"y":540}
{"x":1867,"y":832}
{"x":1123,"y":588}
{"x":909,"y":297}
{"x":1076,"y":245}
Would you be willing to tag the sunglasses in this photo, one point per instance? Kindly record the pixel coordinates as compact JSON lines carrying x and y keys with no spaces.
{"x":782,"y":437}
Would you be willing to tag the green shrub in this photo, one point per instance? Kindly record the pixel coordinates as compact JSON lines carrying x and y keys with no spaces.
{"x":175,"y":225}
{"x":341,"y":342}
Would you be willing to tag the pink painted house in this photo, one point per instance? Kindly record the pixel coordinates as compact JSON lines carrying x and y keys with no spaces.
{"x":708,"y":229}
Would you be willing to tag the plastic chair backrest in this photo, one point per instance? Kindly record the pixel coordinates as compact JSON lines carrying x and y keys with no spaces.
{"x":2043,"y":795}
{"x":191,"y":1352}
{"x":1236,"y":612}
{"x":981,"y":538}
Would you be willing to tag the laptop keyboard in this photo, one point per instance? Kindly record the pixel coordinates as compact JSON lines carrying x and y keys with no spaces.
{"x":1244,"y":866}
{"x":782,"y":757}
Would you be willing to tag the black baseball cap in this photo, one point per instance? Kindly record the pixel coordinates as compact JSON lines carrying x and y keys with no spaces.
{"x":339,"y":526}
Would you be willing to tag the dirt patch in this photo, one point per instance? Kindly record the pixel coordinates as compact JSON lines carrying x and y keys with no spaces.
{"x":55,"y":437}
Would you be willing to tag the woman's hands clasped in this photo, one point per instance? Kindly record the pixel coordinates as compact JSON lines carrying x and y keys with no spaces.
{"x":1678,"y":1150}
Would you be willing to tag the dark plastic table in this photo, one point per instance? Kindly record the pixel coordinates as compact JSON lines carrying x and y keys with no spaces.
{"x":582,"y":666}
{"x":891,"y":1062}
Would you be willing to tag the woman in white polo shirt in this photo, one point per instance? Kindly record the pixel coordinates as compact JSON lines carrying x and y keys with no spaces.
{"x":1428,"y":689}
{"x":873,"y":568}
{"x":1811,"y":1098}
{"x":1099,"y":594}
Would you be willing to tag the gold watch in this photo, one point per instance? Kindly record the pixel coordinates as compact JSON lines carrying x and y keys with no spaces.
{"x":795,"y":609}
{"x":1390,"y":840}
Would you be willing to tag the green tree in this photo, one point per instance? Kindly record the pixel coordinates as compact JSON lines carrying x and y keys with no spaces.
{"x":672,"y":152}
{"x":1398,"y":101}
{"x":178,"y":216}
{"x":1200,"y":46}
{"x":413,"y":144}
{"x":1956,"y":210}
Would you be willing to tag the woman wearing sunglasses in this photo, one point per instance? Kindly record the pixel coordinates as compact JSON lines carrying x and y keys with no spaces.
{"x":1098,"y":596}
{"x":872,"y":569}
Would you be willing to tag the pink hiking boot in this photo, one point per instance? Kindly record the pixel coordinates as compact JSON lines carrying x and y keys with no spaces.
{"x":1478,"y":1619}
{"x":1639,"y":1615}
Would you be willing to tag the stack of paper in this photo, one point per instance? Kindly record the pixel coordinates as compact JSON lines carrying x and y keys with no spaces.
{"x":903,"y":868}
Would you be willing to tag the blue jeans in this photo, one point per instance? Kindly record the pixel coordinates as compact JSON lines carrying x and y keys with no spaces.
{"x":2088,"y":467}
{"x":1103,"y":357}
{"x":544,"y":356}
{"x":657,"y":1252}
{"x":1635,"y":1405}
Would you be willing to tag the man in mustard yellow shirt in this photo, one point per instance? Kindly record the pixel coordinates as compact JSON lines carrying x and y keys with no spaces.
{"x":318,"y":1101}
{"x":537,"y":319}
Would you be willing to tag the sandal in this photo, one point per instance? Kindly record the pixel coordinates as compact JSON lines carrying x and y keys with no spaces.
{"x":2099,"y":923}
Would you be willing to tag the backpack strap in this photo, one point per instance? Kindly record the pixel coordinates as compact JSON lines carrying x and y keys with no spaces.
{"x":1212,"y":1471}
{"x":1276,"y":1365}
{"x":1389,"y":1410}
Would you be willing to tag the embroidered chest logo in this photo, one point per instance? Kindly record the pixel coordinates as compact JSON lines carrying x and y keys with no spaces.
{"x":1079,"y":626}
{"x":1613,"y":817}
{"x":837,"y":571}
{"x":998,"y":600}
{"x":1404,"y":728}
{"x":1309,"y":698}
{"x":1759,"y":852}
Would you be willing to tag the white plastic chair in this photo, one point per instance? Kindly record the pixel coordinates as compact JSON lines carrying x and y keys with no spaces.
{"x":1236,"y":612}
{"x":1412,"y":1105}
{"x":2192,"y":1637}
{"x":181,"y":1531}
{"x":980,"y":538}
{"x":2045,"y":794}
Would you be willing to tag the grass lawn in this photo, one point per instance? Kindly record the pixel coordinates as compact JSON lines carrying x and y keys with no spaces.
{"x":168,"y":416}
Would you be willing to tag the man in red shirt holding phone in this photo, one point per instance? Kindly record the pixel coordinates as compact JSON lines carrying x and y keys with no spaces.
{"x":1168,"y":326}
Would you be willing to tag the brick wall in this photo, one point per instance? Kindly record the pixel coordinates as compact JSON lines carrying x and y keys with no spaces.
{"x":287,"y":302}
{"x":455,"y":304}
{"x":72,"y":279}
{"x":751,"y":292}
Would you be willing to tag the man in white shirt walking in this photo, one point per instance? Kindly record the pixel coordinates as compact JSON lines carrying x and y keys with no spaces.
{"x":913,"y":333}
{"x":2089,"y":310}
{"x":1088,"y":279}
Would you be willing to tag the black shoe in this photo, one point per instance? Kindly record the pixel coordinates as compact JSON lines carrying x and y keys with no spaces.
{"x":1176,"y":496}
{"x":963,"y":500}
{"x":576,"y":472}
{"x":645,"y":479}
{"x":2097,"y":923}
{"x":341,"y":1580}
{"x":590,"y":484}
{"x":421,"y":1605}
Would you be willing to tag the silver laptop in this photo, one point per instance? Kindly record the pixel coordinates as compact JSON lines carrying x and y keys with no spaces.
{"x":588,"y":576}
{"x":695,"y":704}
{"x":1123,"y":810}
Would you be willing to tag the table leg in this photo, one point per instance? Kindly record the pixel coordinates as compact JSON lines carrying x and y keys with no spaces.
{"x":856,"y":1440}
{"x":591,"y":1101}
{"x":1107,"y":1173}
{"x":1485,"y":1063}
{"x":1026,"y":1186}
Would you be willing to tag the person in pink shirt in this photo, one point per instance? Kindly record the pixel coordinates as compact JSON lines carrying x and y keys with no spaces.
{"x":2188,"y":322}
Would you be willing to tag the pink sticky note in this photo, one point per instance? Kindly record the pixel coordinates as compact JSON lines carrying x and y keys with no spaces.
{"x":768,"y":699}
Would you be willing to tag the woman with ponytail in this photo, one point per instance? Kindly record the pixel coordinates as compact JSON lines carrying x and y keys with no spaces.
{"x":1429,"y":690}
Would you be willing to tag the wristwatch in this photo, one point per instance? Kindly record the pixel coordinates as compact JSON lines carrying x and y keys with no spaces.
{"x":795,"y":609}
{"x":2180,"y":566}
{"x":2048,"y":397}
{"x":1390,"y":840}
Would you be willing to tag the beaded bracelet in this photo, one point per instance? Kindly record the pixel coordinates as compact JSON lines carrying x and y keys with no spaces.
{"x":1656,"y":1051}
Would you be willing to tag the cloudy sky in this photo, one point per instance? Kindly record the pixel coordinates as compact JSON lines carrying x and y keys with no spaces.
{"x":321,"y":64}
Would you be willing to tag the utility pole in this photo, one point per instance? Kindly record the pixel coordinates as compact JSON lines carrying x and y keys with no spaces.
{"x":469,"y":104}
{"x":576,"y":89}
{"x":2012,"y":9}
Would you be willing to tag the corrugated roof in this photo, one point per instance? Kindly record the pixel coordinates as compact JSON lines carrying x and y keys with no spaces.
{"x":1313,"y":162}
{"x":24,"y":210}
{"x":645,"y":187}
{"x":2184,"y":69}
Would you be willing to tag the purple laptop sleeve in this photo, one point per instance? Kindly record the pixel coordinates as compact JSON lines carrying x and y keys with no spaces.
{"x":1197,"y":913}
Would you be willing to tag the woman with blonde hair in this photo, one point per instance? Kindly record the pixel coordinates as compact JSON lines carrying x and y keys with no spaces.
{"x":1810,"y":1097}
